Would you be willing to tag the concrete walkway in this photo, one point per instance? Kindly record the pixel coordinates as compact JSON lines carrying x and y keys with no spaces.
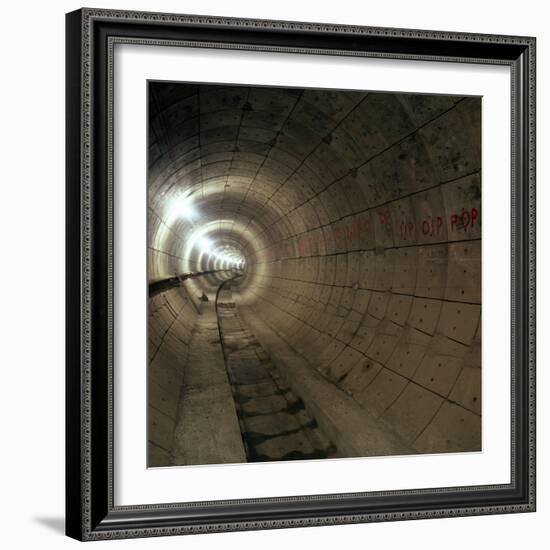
{"x":207,"y":429}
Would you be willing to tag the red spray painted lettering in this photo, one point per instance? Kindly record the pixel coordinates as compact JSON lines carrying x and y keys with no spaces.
{"x":359,"y":229}
{"x":407,"y":230}
{"x":432,"y":226}
{"x":384,"y":216}
{"x":465,"y":220}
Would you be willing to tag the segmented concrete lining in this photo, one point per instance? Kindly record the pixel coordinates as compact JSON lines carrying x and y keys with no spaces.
{"x":358,"y":215}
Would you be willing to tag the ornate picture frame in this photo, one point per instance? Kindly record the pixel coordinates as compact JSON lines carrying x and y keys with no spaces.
{"x":91,"y":509}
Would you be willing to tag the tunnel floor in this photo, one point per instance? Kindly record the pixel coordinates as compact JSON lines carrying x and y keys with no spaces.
{"x":274,"y":423}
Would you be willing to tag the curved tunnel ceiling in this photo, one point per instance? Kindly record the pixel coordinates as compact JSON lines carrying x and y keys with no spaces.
{"x":357,"y":219}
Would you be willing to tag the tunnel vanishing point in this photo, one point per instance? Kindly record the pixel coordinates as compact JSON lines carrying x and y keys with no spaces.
{"x":314,"y":266}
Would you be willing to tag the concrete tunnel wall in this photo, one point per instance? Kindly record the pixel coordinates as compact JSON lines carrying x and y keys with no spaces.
{"x":359,"y":218}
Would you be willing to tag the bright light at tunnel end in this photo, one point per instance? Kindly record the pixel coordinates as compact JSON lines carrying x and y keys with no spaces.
{"x":205,"y":245}
{"x":223,"y":258}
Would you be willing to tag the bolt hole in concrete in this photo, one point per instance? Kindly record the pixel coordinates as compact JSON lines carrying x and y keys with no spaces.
{"x":314,"y":270}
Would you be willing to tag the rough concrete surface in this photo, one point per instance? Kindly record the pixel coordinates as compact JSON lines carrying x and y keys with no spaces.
{"x":206,"y":434}
{"x":357,"y":220}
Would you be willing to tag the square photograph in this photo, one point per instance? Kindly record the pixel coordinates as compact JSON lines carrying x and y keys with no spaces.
{"x":314,"y":274}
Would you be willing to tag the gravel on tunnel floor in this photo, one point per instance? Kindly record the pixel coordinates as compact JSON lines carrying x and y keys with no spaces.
{"x":274,"y":423}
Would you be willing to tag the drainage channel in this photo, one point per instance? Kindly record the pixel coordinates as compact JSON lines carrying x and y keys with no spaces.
{"x":274,"y":422}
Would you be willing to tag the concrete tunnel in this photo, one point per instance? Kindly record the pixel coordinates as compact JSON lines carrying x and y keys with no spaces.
{"x":329,"y":241}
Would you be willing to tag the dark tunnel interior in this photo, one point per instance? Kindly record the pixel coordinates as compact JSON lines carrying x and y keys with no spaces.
{"x":314,"y":270}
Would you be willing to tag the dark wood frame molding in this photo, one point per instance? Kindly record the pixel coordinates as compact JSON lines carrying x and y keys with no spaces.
{"x":90,"y":509}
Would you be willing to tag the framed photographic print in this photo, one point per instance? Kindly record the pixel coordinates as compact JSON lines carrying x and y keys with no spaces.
{"x":300,"y":274}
